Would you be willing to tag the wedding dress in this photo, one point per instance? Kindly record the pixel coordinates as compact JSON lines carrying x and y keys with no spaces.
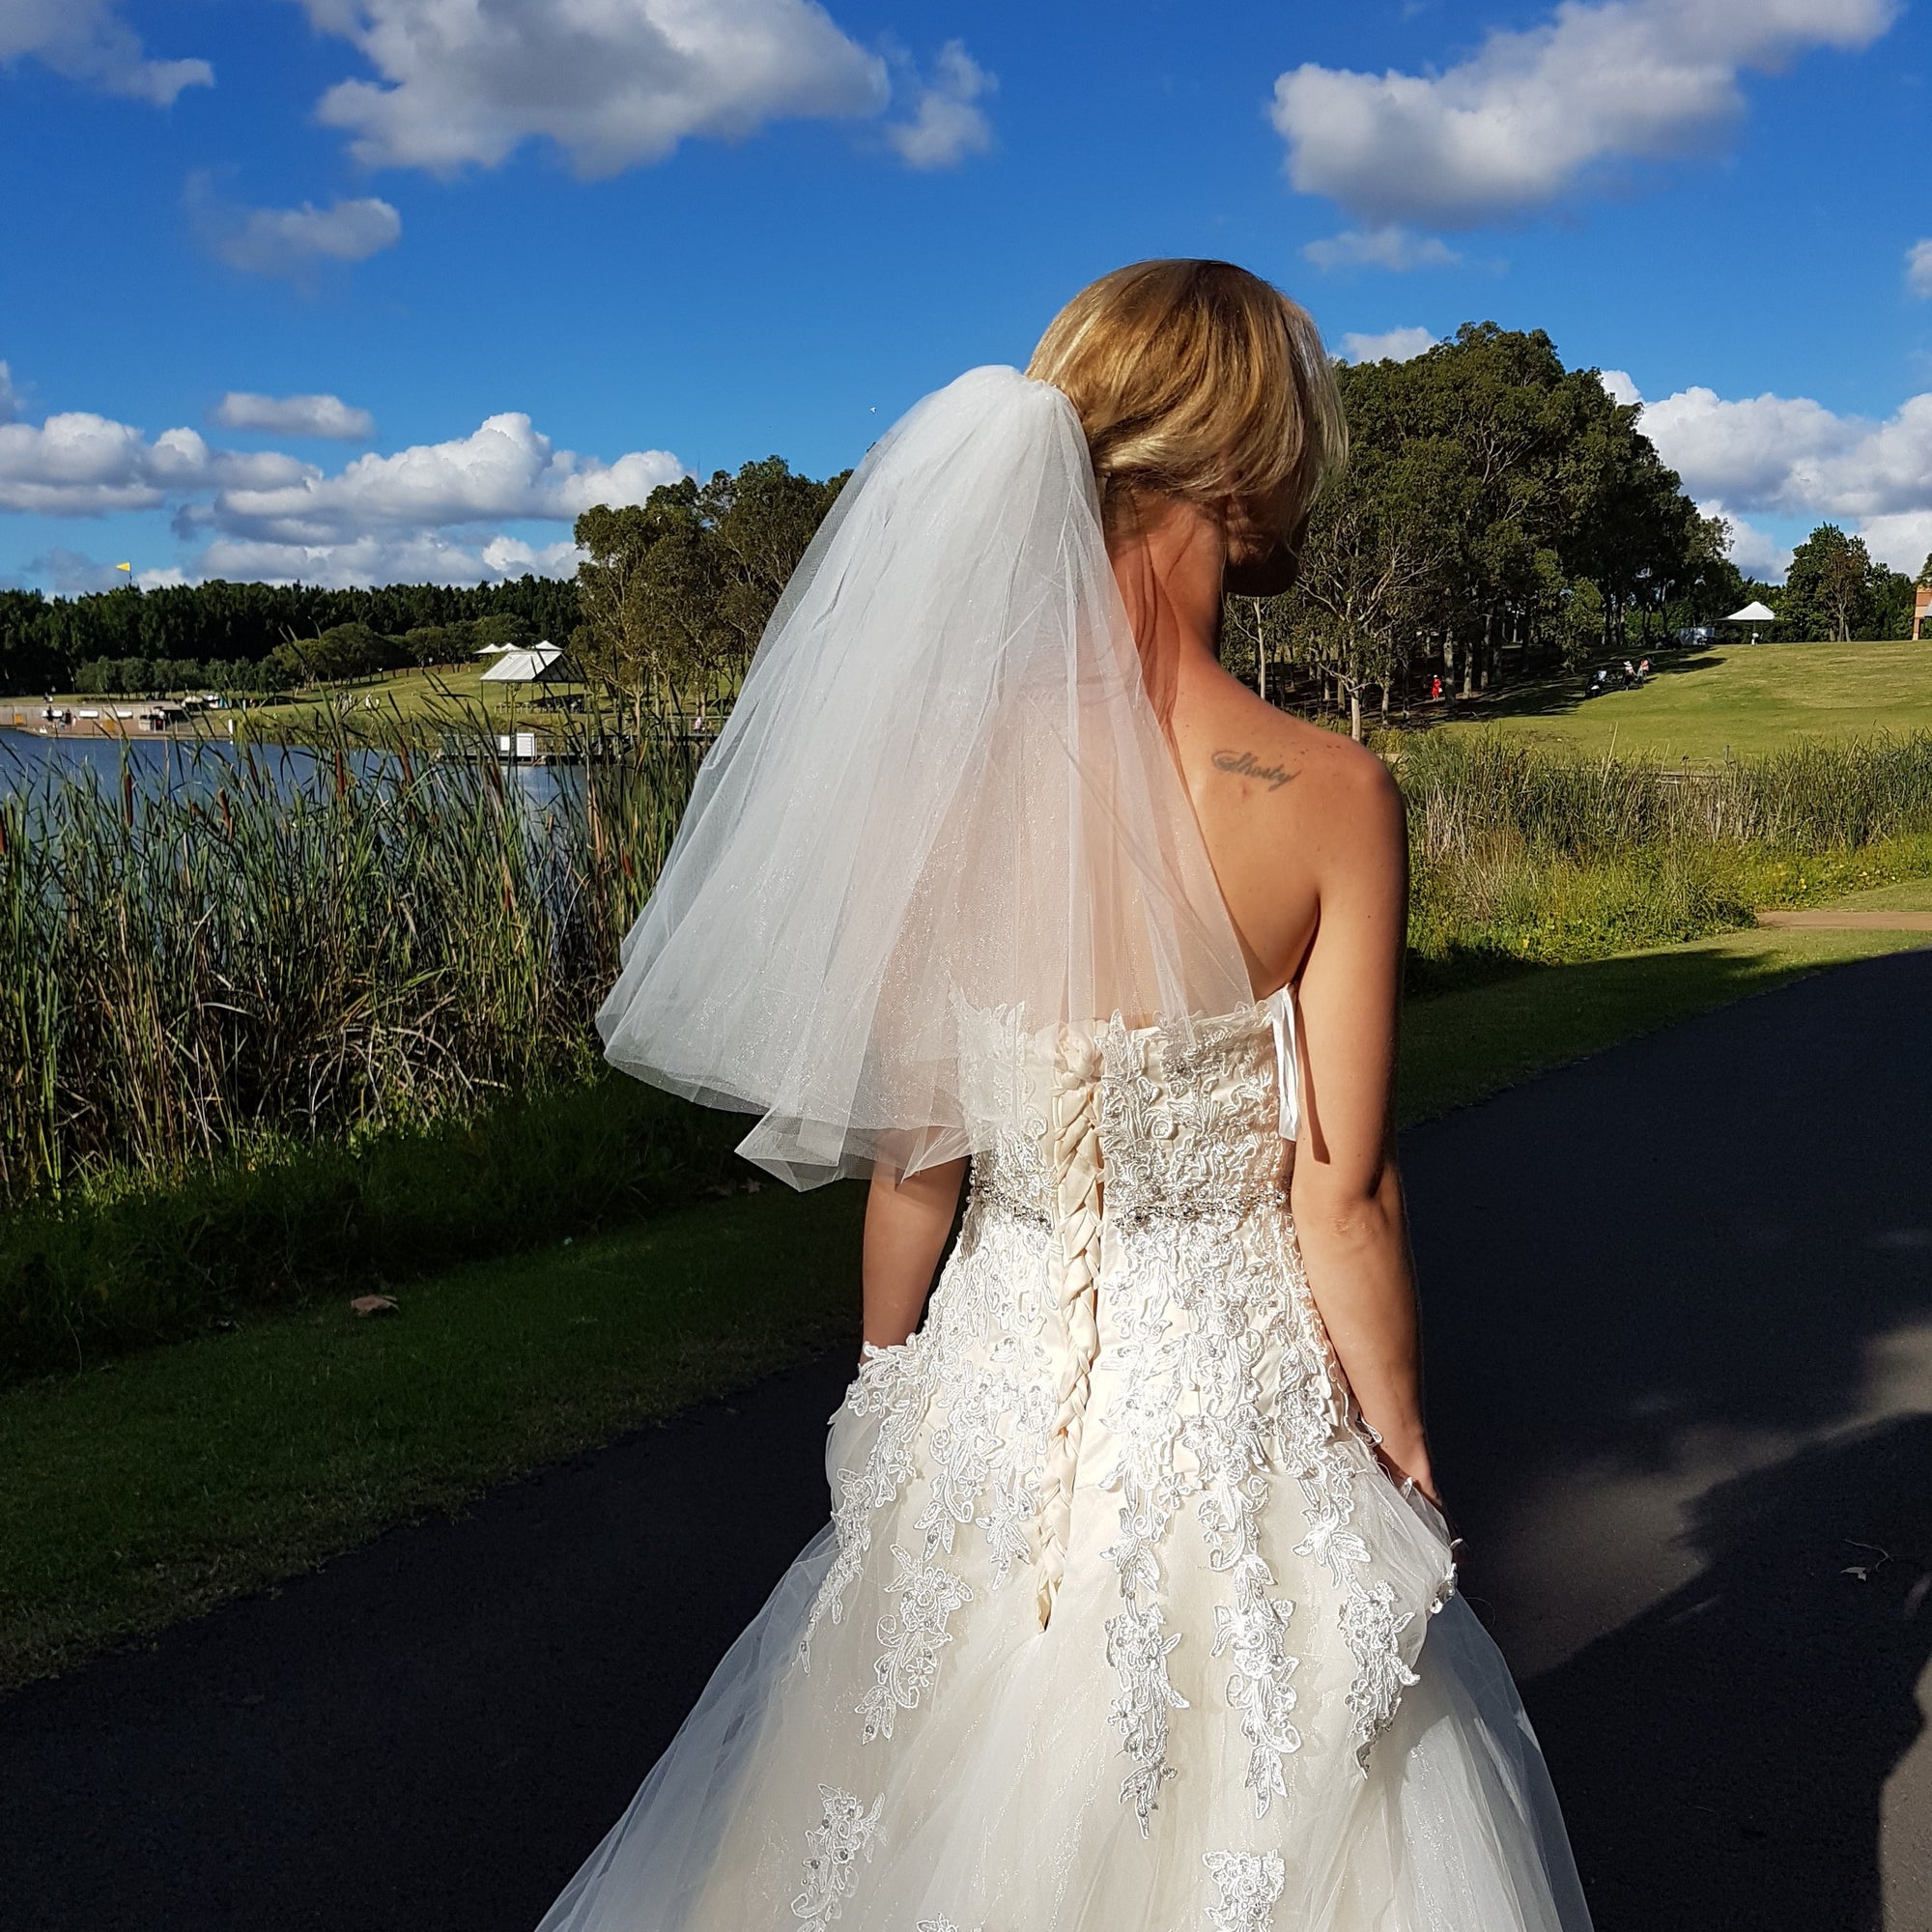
{"x":1118,"y":1624}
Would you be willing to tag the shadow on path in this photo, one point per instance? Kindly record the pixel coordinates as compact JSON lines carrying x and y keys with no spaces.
{"x":1709,"y":1227}
{"x":1723,"y":1757}
{"x":1709,"y":1236}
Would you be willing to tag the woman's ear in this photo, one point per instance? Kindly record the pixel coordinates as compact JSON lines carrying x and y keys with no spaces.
{"x":1264,"y":573}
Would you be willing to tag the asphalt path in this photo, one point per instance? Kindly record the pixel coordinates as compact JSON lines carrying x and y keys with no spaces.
{"x":1679,"y":1302}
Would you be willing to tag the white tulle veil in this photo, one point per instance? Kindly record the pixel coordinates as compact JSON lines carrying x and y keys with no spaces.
{"x":943,"y":785}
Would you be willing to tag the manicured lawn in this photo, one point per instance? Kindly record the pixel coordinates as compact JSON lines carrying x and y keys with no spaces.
{"x":156,"y":1486}
{"x":1906,"y":896}
{"x":1743,"y":700}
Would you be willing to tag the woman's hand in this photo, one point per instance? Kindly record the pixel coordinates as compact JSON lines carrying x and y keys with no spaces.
{"x":1410,"y":1466}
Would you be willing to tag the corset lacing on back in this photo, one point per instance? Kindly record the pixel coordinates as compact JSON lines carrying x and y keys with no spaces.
{"x":1056,"y":1177}
{"x":1076,"y":1128}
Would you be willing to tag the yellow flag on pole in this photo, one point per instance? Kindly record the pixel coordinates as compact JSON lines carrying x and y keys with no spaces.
{"x":127,"y":567}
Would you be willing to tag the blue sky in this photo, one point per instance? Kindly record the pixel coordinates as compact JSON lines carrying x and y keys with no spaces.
{"x":355,"y":290}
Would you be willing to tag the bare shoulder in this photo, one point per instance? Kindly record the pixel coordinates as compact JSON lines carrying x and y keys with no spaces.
{"x":1297,"y":819}
{"x":1294,"y":770}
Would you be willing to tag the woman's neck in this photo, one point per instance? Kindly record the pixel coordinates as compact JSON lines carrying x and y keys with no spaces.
{"x":1168,"y":563}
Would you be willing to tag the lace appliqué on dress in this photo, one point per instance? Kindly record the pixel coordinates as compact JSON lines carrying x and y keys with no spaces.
{"x":913,"y":1639}
{"x":1371,"y":1625}
{"x":832,"y":1850}
{"x":965,"y":1404}
{"x":1249,"y":1884}
{"x":892,"y":1385}
{"x":1138,"y":1647}
{"x":1197,"y":1317}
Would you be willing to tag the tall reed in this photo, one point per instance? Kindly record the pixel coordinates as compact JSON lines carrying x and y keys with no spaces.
{"x":318,"y":949}
{"x":277,"y":950}
{"x":1814,"y":796}
{"x":1520,"y":853}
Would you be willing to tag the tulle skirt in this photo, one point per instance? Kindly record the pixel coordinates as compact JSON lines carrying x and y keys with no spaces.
{"x":995,"y":1804}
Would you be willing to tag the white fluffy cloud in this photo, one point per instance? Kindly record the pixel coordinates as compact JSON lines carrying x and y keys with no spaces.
{"x":430,"y":511}
{"x":1790,"y":456}
{"x":87,"y":41}
{"x":79,"y":465}
{"x":948,"y":123}
{"x":1755,"y":552}
{"x":1393,"y":247}
{"x":1918,"y":268}
{"x":505,"y":471}
{"x":417,"y":556}
{"x":326,"y":416}
{"x":611,"y":82}
{"x":293,"y":240}
{"x":1393,"y":345}
{"x":1535,"y":113}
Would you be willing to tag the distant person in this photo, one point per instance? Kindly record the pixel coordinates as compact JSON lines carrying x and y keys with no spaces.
{"x":1137,"y":1613}
{"x":1435,"y":689}
{"x":1643,"y":671}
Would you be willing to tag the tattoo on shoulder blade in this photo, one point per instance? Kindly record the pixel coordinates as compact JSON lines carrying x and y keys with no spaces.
{"x":1244,"y":764}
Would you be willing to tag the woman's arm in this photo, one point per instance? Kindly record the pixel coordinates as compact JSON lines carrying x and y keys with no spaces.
{"x":1346,"y":1193}
{"x":906,"y":1225}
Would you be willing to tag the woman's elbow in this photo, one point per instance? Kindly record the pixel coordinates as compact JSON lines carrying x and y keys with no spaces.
{"x":1347,"y":1209}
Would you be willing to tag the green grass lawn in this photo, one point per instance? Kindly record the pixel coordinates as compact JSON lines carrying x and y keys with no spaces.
{"x":1903,"y":896}
{"x":1742,"y":700}
{"x":1460,"y":1046}
{"x":156,"y":1486}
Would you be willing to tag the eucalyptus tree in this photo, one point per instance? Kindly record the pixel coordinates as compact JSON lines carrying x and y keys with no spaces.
{"x":1827,"y":586}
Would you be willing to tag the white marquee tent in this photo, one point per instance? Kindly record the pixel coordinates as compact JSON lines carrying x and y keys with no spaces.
{"x":540,"y":663}
{"x":1753,"y":613}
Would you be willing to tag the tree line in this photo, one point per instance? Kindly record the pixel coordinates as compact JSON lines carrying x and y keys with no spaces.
{"x":44,"y":641}
{"x":674,"y":594}
{"x":1500,"y":514}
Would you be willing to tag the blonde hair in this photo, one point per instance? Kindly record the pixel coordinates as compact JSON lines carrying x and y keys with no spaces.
{"x":1199,"y":381}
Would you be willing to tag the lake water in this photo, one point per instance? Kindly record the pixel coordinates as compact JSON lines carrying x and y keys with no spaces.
{"x":29,"y":762}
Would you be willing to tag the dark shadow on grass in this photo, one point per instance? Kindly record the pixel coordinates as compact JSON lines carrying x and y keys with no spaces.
{"x":1556,"y":694}
{"x":1533,"y":1017}
{"x":1722,"y":1758}
{"x":93,"y":1278}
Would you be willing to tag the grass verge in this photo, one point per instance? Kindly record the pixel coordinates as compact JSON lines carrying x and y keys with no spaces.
{"x":117,"y":1270}
{"x":153,"y":1488}
{"x":1460,"y":1047}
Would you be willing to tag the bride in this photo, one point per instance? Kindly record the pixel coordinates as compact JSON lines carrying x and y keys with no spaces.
{"x":1137,"y":1609}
